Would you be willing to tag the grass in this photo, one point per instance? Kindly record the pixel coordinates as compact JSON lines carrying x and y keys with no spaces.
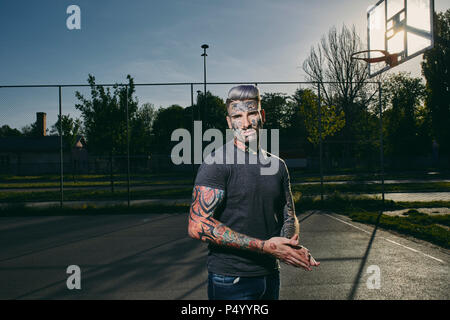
{"x":95,"y":177}
{"x":104,"y":194}
{"x":373,"y":188}
{"x":425,"y":219}
{"x":367,"y":210}
{"x":429,"y":204}
{"x":20,"y":210}
{"x":302,"y":176}
{"x":351,"y":174}
{"x":35,"y":181}
{"x":84,"y":183}
{"x":421,"y":227}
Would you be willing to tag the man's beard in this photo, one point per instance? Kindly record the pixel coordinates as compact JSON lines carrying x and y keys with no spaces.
{"x":250,"y":134}
{"x":249,"y":141}
{"x":247,"y":135}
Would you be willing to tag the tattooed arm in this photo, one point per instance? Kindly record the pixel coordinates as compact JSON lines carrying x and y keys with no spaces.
{"x":291,"y":225}
{"x":203,"y":226}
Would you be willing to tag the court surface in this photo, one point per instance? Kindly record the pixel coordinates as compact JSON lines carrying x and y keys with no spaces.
{"x":151,"y":257}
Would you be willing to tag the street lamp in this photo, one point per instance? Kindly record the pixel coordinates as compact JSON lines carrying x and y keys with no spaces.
{"x":204,"y":55}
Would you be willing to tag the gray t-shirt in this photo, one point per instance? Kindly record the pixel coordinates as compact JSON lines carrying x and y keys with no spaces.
{"x":253,"y":205}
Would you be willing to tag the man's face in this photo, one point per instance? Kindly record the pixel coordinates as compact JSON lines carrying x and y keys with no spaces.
{"x":245,"y":119}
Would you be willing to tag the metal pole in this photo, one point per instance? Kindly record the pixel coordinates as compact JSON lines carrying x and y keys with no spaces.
{"x":205,"y":46}
{"x":204,"y":78}
{"x":199,"y":114}
{"x":128,"y":151}
{"x":61,"y":159}
{"x":381,"y":141}
{"x":166,"y":84}
{"x":320,"y":143}
{"x":192,"y":134}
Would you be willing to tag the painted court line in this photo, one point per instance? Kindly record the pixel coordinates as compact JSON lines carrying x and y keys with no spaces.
{"x":391,"y":241}
{"x":349,"y":224}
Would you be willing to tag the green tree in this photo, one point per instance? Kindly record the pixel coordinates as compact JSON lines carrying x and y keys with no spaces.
{"x":141,"y":138}
{"x":436,"y":70}
{"x":71,"y":129}
{"x":342,"y":82}
{"x":31,"y":130}
{"x":168,"y":120}
{"x":104,"y":116}
{"x":215,"y":113}
{"x":279,"y":111}
{"x":7,"y":131}
{"x":332,"y":120}
{"x":404,"y":118}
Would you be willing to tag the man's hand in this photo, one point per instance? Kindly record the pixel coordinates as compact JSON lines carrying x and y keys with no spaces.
{"x":307,"y":255}
{"x":289,"y":252}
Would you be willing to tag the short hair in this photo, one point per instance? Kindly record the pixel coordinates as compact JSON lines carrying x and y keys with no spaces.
{"x":244,"y":92}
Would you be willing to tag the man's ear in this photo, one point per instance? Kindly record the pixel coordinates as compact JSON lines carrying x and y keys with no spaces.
{"x":263,"y":116}
{"x":229,"y":122}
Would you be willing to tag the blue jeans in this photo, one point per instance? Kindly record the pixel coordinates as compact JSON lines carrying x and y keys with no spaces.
{"x":222,"y":287}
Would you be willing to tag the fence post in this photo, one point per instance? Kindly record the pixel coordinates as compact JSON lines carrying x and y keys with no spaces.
{"x":381,"y":142}
{"x":320,"y":141}
{"x":192,"y":134}
{"x":61,"y":158}
{"x":128,"y":149}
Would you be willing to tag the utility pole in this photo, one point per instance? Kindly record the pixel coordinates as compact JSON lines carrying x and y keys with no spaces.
{"x":204,"y":55}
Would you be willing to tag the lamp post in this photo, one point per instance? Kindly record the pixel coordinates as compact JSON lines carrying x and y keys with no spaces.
{"x":204,"y":55}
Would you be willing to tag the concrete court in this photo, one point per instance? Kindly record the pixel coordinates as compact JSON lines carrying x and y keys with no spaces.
{"x":151,"y":257}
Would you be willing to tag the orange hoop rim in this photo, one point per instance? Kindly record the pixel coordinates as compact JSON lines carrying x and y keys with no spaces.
{"x":390,"y":58}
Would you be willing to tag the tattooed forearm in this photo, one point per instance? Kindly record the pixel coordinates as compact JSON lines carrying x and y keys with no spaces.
{"x":204,"y":227}
{"x":291,"y":225}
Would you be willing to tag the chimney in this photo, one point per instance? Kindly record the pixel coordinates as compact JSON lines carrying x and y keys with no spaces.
{"x":41,"y":123}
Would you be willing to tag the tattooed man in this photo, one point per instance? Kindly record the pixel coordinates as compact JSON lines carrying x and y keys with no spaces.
{"x":247,"y":218}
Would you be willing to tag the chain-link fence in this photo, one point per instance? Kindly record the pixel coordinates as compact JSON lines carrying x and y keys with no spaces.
{"x":104,"y":143}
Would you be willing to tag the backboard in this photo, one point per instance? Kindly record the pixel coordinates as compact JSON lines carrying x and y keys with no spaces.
{"x":403,"y":27}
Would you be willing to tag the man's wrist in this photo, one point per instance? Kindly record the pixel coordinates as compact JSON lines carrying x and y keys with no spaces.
{"x":266,"y":247}
{"x":263,"y":243}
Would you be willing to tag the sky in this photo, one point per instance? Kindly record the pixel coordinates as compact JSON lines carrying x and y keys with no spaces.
{"x":160,"y":41}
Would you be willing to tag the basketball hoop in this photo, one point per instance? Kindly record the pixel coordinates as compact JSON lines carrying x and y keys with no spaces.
{"x":390,"y":58}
